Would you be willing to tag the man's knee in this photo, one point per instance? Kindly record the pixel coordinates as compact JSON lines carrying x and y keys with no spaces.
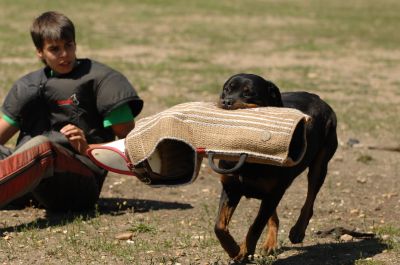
{"x":5,"y":152}
{"x":35,"y":141}
{"x":68,"y":192}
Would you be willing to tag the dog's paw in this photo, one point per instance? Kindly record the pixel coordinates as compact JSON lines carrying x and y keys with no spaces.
{"x":270,"y":245}
{"x":242,"y":260}
{"x":296,"y":236}
{"x":243,"y":256}
{"x":268,"y":250}
{"x":238,"y":262}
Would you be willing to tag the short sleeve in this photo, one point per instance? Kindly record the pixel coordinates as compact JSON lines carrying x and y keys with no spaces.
{"x":21,"y":98}
{"x":115,"y":90}
{"x":24,"y":106}
{"x":118,"y":115}
{"x":10,"y":121}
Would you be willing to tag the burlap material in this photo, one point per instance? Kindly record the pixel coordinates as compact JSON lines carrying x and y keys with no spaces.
{"x":266,"y":134}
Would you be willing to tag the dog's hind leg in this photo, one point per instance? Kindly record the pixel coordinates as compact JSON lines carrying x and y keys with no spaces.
{"x":230,"y":198}
{"x":271,"y":240}
{"x":316,"y":177}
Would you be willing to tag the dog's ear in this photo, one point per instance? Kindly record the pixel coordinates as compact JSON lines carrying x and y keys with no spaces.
{"x":271,"y":95}
{"x":274,"y":95}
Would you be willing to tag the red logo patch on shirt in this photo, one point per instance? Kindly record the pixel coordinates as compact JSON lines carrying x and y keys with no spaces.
{"x":65,"y":102}
{"x":72,"y":100}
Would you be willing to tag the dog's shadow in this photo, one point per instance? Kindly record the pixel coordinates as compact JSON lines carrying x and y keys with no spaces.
{"x":105,"y":206}
{"x":333,"y":253}
{"x":117,"y":206}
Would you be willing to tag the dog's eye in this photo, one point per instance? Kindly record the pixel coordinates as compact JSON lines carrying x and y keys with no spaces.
{"x":248,"y":94}
{"x":229,"y":87}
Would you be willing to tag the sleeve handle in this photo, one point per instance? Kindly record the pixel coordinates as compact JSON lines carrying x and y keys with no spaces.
{"x":219,"y":170}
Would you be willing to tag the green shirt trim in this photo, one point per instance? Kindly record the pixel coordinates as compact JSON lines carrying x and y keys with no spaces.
{"x":119,"y":115}
{"x":10,"y":121}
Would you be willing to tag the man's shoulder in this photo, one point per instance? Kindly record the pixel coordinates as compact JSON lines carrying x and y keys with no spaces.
{"x":32,"y":78}
{"x":25,"y":92}
{"x":98,"y":69}
{"x":94,"y":65}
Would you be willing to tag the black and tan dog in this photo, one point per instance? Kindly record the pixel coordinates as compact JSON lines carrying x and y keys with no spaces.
{"x":269,"y":183}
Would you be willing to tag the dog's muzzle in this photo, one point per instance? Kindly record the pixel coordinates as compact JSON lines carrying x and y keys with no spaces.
{"x":227,"y":103}
{"x":232,"y":104}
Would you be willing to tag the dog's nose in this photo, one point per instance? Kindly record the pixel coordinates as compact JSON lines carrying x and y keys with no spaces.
{"x":227,"y":103}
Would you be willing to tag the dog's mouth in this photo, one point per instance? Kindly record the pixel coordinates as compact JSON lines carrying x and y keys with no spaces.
{"x":233,"y":105}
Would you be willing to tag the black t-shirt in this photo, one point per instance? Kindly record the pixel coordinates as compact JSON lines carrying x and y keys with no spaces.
{"x":43,"y":104}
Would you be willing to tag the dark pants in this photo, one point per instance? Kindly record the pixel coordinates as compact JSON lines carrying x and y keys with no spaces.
{"x":58,"y":178}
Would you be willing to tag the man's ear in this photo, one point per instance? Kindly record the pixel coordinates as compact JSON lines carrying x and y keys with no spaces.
{"x":39,"y":54}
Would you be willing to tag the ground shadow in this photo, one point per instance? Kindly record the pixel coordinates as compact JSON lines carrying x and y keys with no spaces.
{"x":333,"y":253}
{"x":115,"y":206}
{"x":105,"y":206}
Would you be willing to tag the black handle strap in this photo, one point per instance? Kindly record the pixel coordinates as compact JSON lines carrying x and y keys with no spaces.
{"x":219,"y":170}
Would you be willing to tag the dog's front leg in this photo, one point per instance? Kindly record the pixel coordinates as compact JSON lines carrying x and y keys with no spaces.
{"x":230,"y":197}
{"x":267,"y":208}
{"x":271,"y":241}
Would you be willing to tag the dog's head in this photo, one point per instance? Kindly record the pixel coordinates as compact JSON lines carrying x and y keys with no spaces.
{"x":248,"y":91}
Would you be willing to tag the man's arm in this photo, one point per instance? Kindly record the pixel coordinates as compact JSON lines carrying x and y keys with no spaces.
{"x":121,"y":130}
{"x":6,"y":131}
{"x":77,"y":138}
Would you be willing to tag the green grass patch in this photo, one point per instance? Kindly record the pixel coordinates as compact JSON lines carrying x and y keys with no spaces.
{"x":390,"y":235}
{"x":366,"y":159}
{"x":143,"y":228}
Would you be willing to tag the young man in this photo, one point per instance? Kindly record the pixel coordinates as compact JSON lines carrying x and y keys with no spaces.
{"x":60,"y":111}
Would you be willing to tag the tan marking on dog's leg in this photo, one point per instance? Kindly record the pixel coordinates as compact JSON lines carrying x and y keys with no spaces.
{"x":271,"y":239}
{"x":267,"y":208}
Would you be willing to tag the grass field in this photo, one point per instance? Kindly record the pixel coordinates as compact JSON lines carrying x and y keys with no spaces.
{"x":175,"y":51}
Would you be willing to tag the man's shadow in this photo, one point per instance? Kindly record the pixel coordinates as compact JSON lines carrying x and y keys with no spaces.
{"x":333,"y":253}
{"x":105,"y":206}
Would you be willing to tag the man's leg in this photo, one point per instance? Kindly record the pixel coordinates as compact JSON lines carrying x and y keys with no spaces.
{"x":67,"y":182}
{"x":68,"y":191}
{"x":25,"y":200}
{"x":4,"y":152}
{"x":22,"y":171}
{"x":75,"y":185}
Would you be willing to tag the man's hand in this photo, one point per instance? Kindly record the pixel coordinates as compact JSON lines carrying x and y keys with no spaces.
{"x":76,"y":138}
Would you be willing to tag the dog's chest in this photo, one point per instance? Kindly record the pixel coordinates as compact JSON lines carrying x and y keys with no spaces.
{"x":258,"y":187}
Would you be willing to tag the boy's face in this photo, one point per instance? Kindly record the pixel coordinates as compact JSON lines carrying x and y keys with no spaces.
{"x":59,"y":55}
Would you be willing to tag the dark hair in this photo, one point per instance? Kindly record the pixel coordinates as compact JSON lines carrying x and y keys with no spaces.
{"x":52,"y":25}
